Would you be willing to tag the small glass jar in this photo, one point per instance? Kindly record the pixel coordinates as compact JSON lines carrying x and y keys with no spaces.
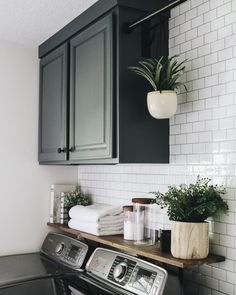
{"x":144,"y":215}
{"x":128,"y":223}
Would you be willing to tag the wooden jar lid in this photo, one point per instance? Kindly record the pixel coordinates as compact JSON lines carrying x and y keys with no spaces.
{"x":128,"y":208}
{"x":144,"y":201}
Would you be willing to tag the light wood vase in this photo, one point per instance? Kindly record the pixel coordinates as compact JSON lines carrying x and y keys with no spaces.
{"x":189,"y":240}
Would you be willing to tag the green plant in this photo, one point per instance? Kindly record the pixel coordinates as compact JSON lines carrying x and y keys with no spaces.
{"x":193,"y":203}
{"x":163,"y":73}
{"x":75,"y":197}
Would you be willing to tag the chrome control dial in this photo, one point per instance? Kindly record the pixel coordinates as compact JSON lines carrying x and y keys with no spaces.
{"x":120,"y":271}
{"x":59,"y":248}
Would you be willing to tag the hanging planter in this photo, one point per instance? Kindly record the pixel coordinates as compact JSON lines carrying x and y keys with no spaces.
{"x":188,"y":207}
{"x":163,"y":75}
{"x":162,"y":105}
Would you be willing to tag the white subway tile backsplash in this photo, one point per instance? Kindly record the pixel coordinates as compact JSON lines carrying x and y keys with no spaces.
{"x":212,"y":80}
{"x":224,"y":9}
{"x":230,"y":41}
{"x":205,"y":115}
{"x":230,"y":64}
{"x":198,"y":84}
{"x":226,"y":77}
{"x":205,"y":93}
{"x":180,"y":19}
{"x":185,"y":27}
{"x":197,"y":63}
{"x":191,"y":14}
{"x":218,"y":23}
{"x":226,"y":241}
{"x":226,"y":288}
{"x":204,"y":71}
{"x":226,"y":54}
{"x":218,"y":67}
{"x":216,"y":3}
{"x":184,"y":7}
{"x":197,"y":42}
{"x":218,"y":45}
{"x":204,"y":29}
{"x":231,"y":277}
{"x":210,"y":16}
{"x":210,"y":37}
{"x":203,"y":8}
{"x":230,"y":18}
{"x":211,"y":58}
{"x":225,"y":32}
{"x":202,"y":135}
{"x":196,"y":3}
{"x":218,"y":90}
{"x":219,"y":274}
{"x":192,"y":117}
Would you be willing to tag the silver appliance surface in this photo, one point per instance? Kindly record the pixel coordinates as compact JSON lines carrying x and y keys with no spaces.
{"x":57,"y":271}
{"x":127,"y":273}
{"x":21,"y":267}
{"x":65,"y":250}
{"x":57,"y":252}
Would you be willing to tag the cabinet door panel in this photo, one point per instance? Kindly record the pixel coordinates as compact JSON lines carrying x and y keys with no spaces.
{"x":91,"y":92}
{"x":53,"y":108}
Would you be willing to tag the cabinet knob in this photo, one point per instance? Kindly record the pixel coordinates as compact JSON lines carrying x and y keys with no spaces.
{"x":60,"y":150}
{"x":72,"y":149}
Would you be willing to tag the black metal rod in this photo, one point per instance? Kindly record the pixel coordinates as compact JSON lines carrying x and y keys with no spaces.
{"x":163,"y":9}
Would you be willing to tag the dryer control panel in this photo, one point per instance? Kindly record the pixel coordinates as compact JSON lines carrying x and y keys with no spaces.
{"x":127,"y":272}
{"x":65,"y":250}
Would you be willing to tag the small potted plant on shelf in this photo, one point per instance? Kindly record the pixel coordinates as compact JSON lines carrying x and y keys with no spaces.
{"x":188,"y":207}
{"x":163,"y":74}
{"x":76,"y":197}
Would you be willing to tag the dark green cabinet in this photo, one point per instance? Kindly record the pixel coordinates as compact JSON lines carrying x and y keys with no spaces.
{"x":91,"y":92}
{"x":93,"y":109}
{"x":53,"y":106}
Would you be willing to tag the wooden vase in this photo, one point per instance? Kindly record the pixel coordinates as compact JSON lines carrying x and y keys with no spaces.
{"x":189,"y":240}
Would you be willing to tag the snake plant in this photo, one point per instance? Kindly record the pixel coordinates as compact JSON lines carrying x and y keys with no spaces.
{"x":162,"y":74}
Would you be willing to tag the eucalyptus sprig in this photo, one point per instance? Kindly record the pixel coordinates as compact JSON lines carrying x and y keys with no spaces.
{"x":76,"y":197}
{"x":162,"y":74}
{"x":193,"y":203}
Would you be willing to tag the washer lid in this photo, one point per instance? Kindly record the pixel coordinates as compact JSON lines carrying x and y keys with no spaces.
{"x":21,"y":267}
{"x":44,"y":286}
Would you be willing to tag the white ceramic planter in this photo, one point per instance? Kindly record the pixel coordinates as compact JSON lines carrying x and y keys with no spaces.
{"x":189,"y":240}
{"x":162,"y":105}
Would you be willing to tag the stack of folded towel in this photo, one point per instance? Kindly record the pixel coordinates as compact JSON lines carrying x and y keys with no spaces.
{"x":97,"y":219}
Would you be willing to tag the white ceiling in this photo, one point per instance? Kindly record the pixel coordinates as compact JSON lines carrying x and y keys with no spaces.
{"x":33,"y":21}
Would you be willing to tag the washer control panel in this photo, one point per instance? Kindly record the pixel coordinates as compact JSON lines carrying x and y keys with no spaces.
{"x":65,"y":250}
{"x":121,"y":270}
{"x":127,"y":272}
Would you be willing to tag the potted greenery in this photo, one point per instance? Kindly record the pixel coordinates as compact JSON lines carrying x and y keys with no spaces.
{"x":188,"y":206}
{"x":76,"y":197}
{"x":163,"y":74}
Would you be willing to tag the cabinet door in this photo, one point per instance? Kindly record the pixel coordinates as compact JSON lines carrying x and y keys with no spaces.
{"x":53,"y":106}
{"x":91,"y":92}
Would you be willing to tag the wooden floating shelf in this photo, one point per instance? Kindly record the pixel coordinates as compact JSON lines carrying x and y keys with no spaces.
{"x":151,"y":252}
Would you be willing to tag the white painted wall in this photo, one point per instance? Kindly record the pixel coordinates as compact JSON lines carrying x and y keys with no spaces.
{"x":24,"y":185}
{"x":202,"y":134}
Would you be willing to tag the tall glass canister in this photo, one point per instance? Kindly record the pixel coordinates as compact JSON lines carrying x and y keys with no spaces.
{"x":128,"y":223}
{"x":144,"y":216}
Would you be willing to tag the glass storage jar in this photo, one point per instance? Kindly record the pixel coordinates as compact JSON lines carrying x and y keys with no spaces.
{"x":144,"y":216}
{"x":128,"y":223}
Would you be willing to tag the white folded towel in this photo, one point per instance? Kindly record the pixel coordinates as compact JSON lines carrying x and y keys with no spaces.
{"x":106,"y":221}
{"x":95,"y":229}
{"x":119,"y":219}
{"x":94,"y":213}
